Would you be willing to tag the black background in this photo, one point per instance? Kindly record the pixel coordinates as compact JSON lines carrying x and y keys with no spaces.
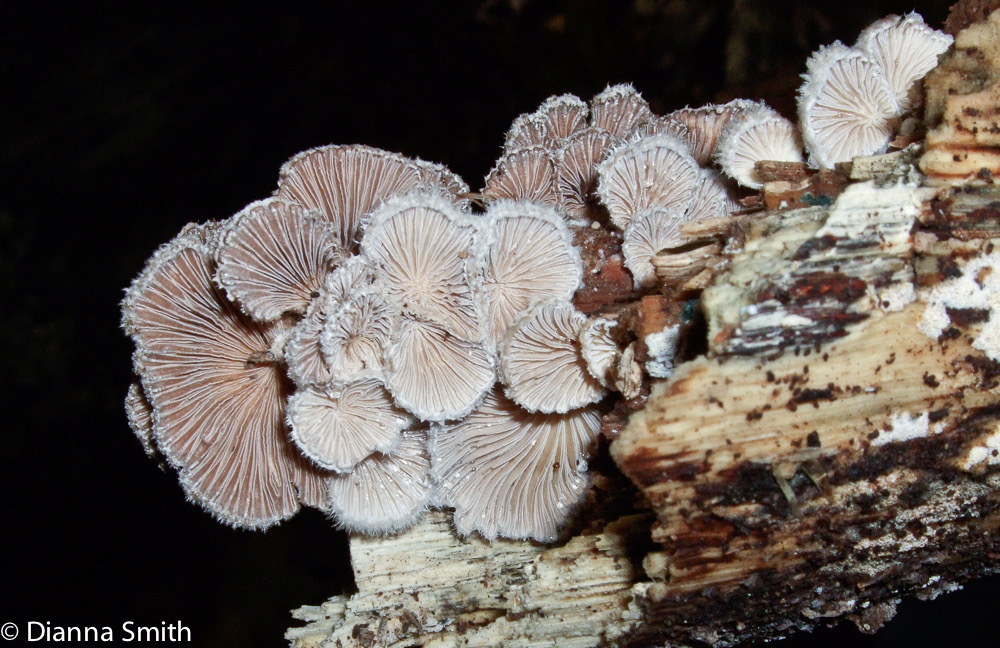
{"x":121,"y":123}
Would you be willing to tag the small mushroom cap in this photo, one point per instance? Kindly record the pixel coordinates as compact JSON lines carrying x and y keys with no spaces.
{"x":712,"y":198}
{"x":556,"y":119}
{"x":434,"y":374}
{"x":657,"y":171}
{"x":527,"y":174}
{"x":384,"y":493}
{"x":541,"y":362}
{"x":338,"y":426}
{"x":307,"y":364}
{"x":846,"y":106}
{"x":619,"y":109}
{"x":705,"y":124}
{"x":906,"y":48}
{"x":272,"y":258}
{"x":757,"y":134}
{"x":510,"y":473}
{"x":421,"y":245}
{"x":304,"y":353}
{"x":650,"y":231}
{"x":345,"y":183}
{"x":527,"y":256}
{"x":576,"y":172}
{"x":599,"y":348}
{"x":356,"y":273}
{"x":355,"y":338}
{"x":217,"y":393}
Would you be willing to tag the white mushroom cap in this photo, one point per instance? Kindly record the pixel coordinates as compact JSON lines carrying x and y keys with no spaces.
{"x":705,"y":124}
{"x":846,"y":106}
{"x":384,"y":493}
{"x":338,"y":426}
{"x":757,"y":134}
{"x":541,"y":363}
{"x":526,"y":255}
{"x":354,"y":274}
{"x":576,"y":171}
{"x":217,"y":393}
{"x":906,"y":48}
{"x":307,"y":364}
{"x":653,"y":172}
{"x":599,"y":348}
{"x":556,"y":119}
{"x":435,"y":375}
{"x":619,"y":109}
{"x":526,"y":174}
{"x":510,"y":473}
{"x":140,"y":417}
{"x":650,"y":231}
{"x":421,"y":245}
{"x":272,"y":258}
{"x":345,"y":183}
{"x":355,"y":338}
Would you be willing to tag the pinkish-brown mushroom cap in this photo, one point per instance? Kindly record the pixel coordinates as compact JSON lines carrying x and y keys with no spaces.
{"x":273,"y":258}
{"x":216,"y":390}
{"x":345,"y":183}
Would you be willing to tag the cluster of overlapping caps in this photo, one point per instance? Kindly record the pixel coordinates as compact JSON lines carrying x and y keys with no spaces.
{"x":368,"y":343}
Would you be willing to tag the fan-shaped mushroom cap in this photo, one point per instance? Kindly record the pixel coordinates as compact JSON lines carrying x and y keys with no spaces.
{"x":712,"y":197}
{"x":434,"y":374}
{"x":846,"y":106}
{"x":345,"y":183}
{"x":526,"y":174}
{"x":510,"y":473}
{"x":650,"y":231}
{"x":354,"y":339}
{"x":653,"y":172}
{"x":307,"y":364}
{"x":757,"y":134}
{"x":705,"y":124}
{"x":576,"y":171}
{"x":217,"y":394}
{"x":619,"y":109}
{"x":527,"y":256}
{"x":384,"y":493}
{"x":354,"y":274}
{"x":272,"y":258}
{"x":338,"y":426}
{"x":660,"y":126}
{"x":906,"y":49}
{"x":438,"y":177}
{"x":421,"y":246}
{"x":599,"y":348}
{"x":541,"y":363}
{"x":556,"y":119}
{"x":303,"y":352}
{"x":140,"y":417}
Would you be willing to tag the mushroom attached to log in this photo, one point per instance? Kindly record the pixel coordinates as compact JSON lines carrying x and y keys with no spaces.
{"x":511,"y":473}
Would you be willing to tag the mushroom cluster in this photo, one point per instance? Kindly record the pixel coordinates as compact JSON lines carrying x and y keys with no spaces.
{"x":373,"y":339}
{"x":854,"y":98}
